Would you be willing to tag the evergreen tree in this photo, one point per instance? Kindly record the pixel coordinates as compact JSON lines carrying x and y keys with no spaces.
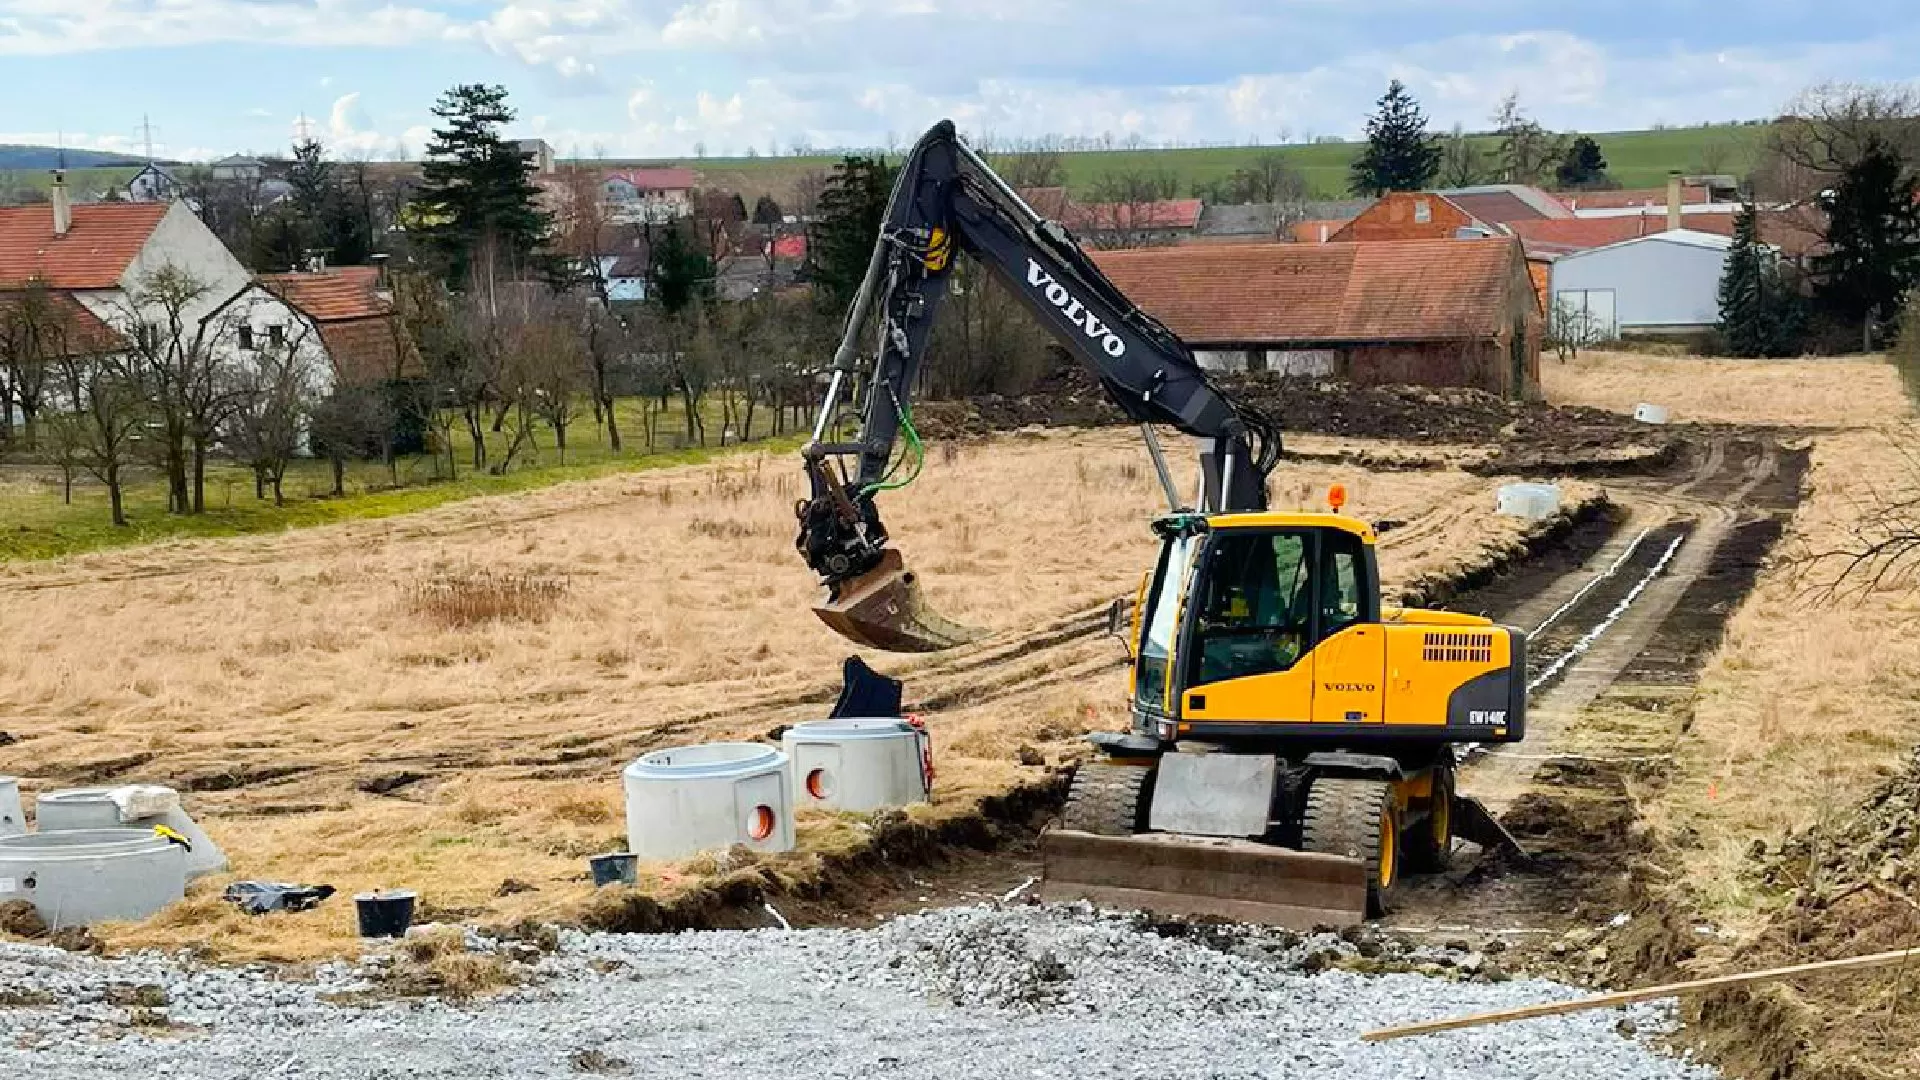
{"x":1760,"y":313}
{"x":841,"y":238}
{"x":767,"y":212}
{"x":476,"y":188}
{"x":1873,"y":241}
{"x":1583,"y":168}
{"x":681,"y":273}
{"x":1399,"y":155}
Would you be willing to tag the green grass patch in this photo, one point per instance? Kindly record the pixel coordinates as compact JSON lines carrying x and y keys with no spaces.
{"x":1635,"y":159}
{"x":35,"y":523}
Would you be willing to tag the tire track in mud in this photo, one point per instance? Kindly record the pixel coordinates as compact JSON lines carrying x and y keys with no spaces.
{"x":1566,"y":790}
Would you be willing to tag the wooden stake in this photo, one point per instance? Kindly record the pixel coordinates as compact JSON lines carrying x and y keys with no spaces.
{"x":1647,"y":993}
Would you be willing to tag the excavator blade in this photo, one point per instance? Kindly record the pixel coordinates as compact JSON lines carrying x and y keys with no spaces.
{"x":1170,"y":874}
{"x":883,"y":609}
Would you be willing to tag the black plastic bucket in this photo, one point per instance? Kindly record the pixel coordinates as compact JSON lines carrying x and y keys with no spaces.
{"x":385,"y":914}
{"x":618,"y":868}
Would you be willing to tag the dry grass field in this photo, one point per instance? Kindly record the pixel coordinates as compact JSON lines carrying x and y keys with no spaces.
{"x":1840,"y":392}
{"x":1814,"y":693}
{"x":442,"y":701}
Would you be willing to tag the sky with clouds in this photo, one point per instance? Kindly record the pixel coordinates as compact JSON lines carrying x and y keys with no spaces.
{"x":674,"y":77}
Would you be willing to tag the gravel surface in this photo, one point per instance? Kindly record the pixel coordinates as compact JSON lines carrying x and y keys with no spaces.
{"x":1057,"y":991}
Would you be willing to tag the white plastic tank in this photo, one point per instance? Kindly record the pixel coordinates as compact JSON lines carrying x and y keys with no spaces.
{"x":13,"y":819}
{"x":85,"y":876}
{"x":706,"y":798}
{"x":857,"y":764}
{"x":1650,"y":414}
{"x":130,"y":806}
{"x":1530,"y":501}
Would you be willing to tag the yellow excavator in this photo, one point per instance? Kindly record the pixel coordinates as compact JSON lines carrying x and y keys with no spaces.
{"x":1292,"y":748}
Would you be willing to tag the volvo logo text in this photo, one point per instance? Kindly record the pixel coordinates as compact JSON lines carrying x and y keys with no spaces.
{"x":1075,"y":311}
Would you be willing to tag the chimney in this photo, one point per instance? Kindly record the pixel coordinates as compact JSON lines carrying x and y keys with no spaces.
{"x":1673,"y":201}
{"x":1323,"y":232}
{"x":62,"y":208}
{"x":382,"y":285}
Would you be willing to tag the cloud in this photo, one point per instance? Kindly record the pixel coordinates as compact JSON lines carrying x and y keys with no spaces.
{"x":352,"y":135}
{"x":52,"y":27}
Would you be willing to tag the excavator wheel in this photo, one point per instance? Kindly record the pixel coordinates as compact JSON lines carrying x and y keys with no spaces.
{"x":1429,"y":842}
{"x":1109,"y":800}
{"x":1357,"y":819}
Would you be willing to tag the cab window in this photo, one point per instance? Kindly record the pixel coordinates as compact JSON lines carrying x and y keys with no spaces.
{"x":1254,"y":616}
{"x":1340,"y":582}
{"x":1157,"y":624}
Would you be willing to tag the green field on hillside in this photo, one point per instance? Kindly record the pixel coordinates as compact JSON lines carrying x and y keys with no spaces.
{"x":1635,"y":159}
{"x":84,"y":183}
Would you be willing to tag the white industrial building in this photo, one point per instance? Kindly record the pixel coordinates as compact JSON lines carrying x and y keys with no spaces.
{"x":1664,"y":283}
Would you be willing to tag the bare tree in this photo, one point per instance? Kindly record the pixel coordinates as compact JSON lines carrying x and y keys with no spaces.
{"x":807,"y":189}
{"x":179,"y":355}
{"x":1462,"y":162}
{"x":272,"y":398}
{"x":352,"y":421}
{"x":34,"y":325}
{"x":1127,"y":208}
{"x":106,"y":406}
{"x":1527,"y":152}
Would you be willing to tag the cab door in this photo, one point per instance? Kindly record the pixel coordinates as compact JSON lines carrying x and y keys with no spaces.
{"x":1247,"y":643}
{"x":1350,"y":660}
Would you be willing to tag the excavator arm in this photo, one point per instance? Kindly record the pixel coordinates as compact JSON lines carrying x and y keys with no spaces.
{"x":946,"y":200}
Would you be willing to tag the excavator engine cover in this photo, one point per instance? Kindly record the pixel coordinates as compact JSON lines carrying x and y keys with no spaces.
{"x":1210,"y":876}
{"x":883,"y":609}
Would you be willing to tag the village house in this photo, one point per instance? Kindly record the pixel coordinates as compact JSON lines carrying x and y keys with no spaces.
{"x":96,"y":261}
{"x":1449,"y":312}
{"x":648,"y":195}
{"x":352,"y":309}
{"x":152,"y":184}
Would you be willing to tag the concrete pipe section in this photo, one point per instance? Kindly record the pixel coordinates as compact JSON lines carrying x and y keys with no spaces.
{"x":858,"y":764}
{"x":85,"y":876}
{"x":13,"y":819}
{"x":131,"y":806}
{"x":708,"y":798}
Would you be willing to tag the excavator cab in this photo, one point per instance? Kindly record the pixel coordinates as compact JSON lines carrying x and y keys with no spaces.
{"x":1291,"y":752}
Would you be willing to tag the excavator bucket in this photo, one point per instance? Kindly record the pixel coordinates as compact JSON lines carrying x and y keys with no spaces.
{"x":1194,"y":875}
{"x":883,"y":609}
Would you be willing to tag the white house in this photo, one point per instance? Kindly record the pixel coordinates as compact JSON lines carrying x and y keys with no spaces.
{"x":1663,"y":283}
{"x":648,"y":195}
{"x":152,"y":184}
{"x":237,"y":167}
{"x":96,"y":260}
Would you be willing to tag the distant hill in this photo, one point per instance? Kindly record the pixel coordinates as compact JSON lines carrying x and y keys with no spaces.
{"x":1635,"y":159}
{"x":13,"y":157}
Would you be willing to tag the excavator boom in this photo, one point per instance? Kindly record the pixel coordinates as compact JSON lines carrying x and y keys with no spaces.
{"x":946,"y":201}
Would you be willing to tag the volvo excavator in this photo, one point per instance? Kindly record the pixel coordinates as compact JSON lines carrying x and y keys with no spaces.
{"x":1292,"y":746}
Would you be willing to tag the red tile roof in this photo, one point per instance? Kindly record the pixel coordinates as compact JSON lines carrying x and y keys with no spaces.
{"x":102,"y":243}
{"x":1048,"y":202}
{"x":1163,"y":214}
{"x":1617,"y":200}
{"x":1412,"y":290}
{"x":1778,"y":228}
{"x":1497,"y":207}
{"x":80,"y":330}
{"x":343,"y":292}
{"x":656,"y":179}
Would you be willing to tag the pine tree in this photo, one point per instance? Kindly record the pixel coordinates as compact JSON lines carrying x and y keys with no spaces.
{"x":1873,"y":241}
{"x":1399,"y":155}
{"x":766,"y":211}
{"x":476,"y":188}
{"x":841,"y":238}
{"x":1760,"y":314}
{"x":1583,"y":168}
{"x":681,"y":272}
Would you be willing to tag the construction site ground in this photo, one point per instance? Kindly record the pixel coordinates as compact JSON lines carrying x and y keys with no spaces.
{"x":1717,"y":734}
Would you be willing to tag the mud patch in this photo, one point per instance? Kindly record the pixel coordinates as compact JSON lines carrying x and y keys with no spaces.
{"x":837,"y":887}
{"x":1571,"y":534}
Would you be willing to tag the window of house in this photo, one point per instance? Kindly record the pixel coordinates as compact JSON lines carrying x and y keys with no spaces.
{"x":1422,"y":211}
{"x":277,"y":334}
{"x":246,"y":338}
